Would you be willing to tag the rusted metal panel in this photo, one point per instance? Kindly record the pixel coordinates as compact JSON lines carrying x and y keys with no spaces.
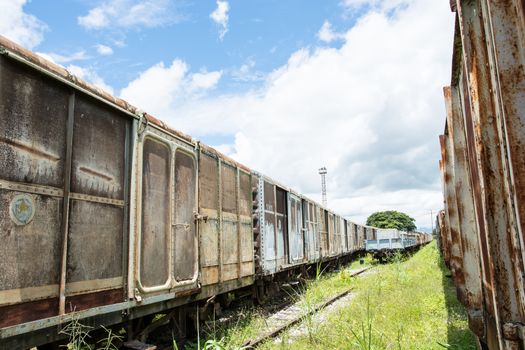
{"x":311,"y":243}
{"x":209,"y":229}
{"x":209,"y":275}
{"x":323,"y":232}
{"x":487,"y":94}
{"x":281,"y":225}
{"x":185,"y":239}
{"x":246,"y":242}
{"x":99,"y":144}
{"x":208,"y":182}
{"x":154,"y":245}
{"x":346,"y":232}
{"x":32,"y":130}
{"x":445,"y":177}
{"x":28,"y":311}
{"x":489,"y":143}
{"x":245,"y":194}
{"x":229,"y":241}
{"x":90,"y":300}
{"x":229,"y":223}
{"x":330,"y":225}
{"x":245,"y":206}
{"x":340,"y":234}
{"x":269,"y":242}
{"x":508,"y":29}
{"x":451,"y":213}
{"x":29,"y":252}
{"x":269,"y":229}
{"x":470,"y":244}
{"x":274,"y":239}
{"x":361,"y":234}
{"x":228,"y":191}
{"x":95,"y":241}
{"x":247,"y":269}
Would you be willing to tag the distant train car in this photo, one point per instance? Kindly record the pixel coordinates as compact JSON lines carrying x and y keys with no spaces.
{"x":391,"y":241}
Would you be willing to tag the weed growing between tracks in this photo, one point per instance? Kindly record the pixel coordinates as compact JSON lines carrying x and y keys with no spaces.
{"x":407,"y":304}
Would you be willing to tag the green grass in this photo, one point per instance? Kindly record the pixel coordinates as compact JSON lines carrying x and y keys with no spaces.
{"x":406,"y":304}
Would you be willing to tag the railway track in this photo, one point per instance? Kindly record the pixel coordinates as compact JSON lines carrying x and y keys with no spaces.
{"x":294,"y":314}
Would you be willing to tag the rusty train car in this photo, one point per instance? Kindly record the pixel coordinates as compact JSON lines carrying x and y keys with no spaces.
{"x":108,"y":215}
{"x":481,"y":230}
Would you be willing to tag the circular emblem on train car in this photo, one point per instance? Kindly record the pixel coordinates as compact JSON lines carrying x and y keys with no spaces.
{"x":22,"y":209}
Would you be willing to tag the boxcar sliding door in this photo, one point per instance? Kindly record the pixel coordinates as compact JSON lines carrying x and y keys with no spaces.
{"x":167,"y":240}
{"x":295,"y":231}
{"x":183,"y":228}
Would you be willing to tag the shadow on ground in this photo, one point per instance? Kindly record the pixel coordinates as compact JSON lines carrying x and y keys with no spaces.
{"x":459,"y":336}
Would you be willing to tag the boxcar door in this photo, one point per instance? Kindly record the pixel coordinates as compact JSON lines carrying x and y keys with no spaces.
{"x":154,"y":257}
{"x":295,"y":232}
{"x":309,"y":230}
{"x":167,"y":237}
{"x":184,"y":209}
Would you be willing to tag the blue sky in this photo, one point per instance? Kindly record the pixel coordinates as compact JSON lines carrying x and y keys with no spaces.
{"x":284,"y":87}
{"x":261,"y":34}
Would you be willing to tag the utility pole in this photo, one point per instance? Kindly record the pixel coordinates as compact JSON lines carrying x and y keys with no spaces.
{"x":322,"y":172}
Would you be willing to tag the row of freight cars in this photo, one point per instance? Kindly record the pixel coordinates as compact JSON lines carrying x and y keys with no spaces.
{"x":482,"y":229}
{"x":388,"y":242}
{"x":107,"y":215}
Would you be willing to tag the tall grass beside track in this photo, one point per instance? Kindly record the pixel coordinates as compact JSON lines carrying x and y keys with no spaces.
{"x":406,"y":304}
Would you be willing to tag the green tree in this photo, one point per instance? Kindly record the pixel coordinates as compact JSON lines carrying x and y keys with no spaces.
{"x":392,"y":219}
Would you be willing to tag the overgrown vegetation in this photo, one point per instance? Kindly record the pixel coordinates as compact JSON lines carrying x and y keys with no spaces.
{"x":392,"y":219}
{"x":80,"y":339}
{"x":252,"y":322}
{"x":406,"y":304}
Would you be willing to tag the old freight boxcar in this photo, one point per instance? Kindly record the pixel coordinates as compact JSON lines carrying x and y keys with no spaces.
{"x":109,"y":216}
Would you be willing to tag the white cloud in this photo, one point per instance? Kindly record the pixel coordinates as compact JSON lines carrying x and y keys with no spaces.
{"x":128,"y":13}
{"x":220,"y":17}
{"x":159,"y":89}
{"x":370,"y":111}
{"x":16,"y":25}
{"x":91,"y":76}
{"x":62,"y":59}
{"x":104,"y":50}
{"x":326,"y":33}
{"x":246,"y":73}
{"x":376,"y":4}
{"x":205,"y":80}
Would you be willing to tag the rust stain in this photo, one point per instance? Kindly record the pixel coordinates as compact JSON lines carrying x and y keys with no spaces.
{"x":35,"y":151}
{"x":95,"y":173}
